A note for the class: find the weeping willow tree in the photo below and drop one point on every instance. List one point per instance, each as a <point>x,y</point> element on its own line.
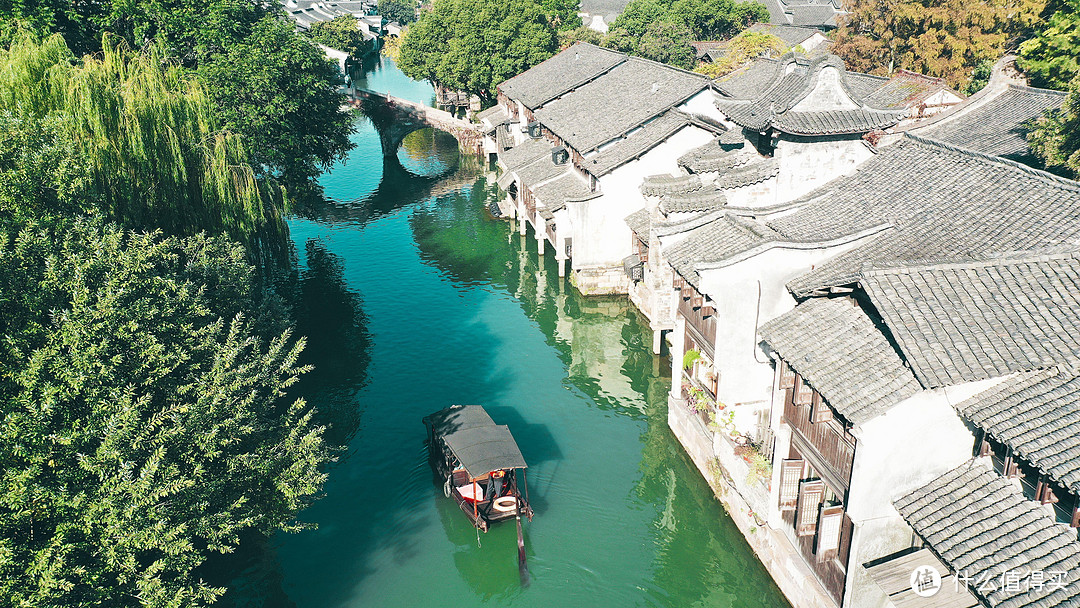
<point>159,157</point>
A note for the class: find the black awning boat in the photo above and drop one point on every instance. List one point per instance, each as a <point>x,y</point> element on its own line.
<point>479,464</point>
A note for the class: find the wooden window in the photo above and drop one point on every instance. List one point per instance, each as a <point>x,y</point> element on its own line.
<point>787,375</point>
<point>790,475</point>
<point>803,393</point>
<point>819,410</point>
<point>811,493</point>
<point>830,523</point>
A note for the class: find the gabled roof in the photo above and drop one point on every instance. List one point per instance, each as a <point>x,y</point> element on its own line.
<point>657,185</point>
<point>907,89</point>
<point>527,152</point>
<point>749,82</point>
<point>793,79</point>
<point>755,172</point>
<point>637,142</point>
<point>568,70</point>
<point>967,321</point>
<point>839,350</point>
<point>711,157</point>
<point>629,95</point>
<point>999,126</point>
<point>981,525</point>
<point>941,203</point>
<point>714,240</point>
<point>1038,416</point>
<point>706,199</point>
<point>493,116</point>
<point>640,222</point>
<point>555,194</point>
<point>817,15</point>
<point>791,35</point>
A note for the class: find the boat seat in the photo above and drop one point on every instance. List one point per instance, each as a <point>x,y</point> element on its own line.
<point>471,492</point>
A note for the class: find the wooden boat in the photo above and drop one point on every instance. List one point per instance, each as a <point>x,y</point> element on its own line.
<point>479,464</point>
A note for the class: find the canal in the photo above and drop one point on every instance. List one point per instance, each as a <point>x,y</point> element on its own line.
<point>414,298</point>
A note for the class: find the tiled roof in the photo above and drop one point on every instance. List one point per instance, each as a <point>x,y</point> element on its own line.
<point>981,526</point>
<point>818,15</point>
<point>495,115</point>
<point>969,321</point>
<point>563,72</point>
<point>539,172</point>
<point>716,240</point>
<point>997,127</point>
<point>749,82</point>
<point>793,78</point>
<point>942,203</point>
<point>791,35</point>
<point>555,194</point>
<point>755,172</point>
<point>627,96</point>
<point>1038,417</point>
<point>657,185</point>
<point>636,143</point>
<point>640,222</point>
<point>840,352</point>
<point>705,199</point>
<point>711,157</point>
<point>527,152</point>
<point>906,89</point>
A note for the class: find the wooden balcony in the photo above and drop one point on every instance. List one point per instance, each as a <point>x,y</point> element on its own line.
<point>827,445</point>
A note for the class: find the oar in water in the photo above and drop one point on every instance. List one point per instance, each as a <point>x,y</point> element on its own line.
<point>523,568</point>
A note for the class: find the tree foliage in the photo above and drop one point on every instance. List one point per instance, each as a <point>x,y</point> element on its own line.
<point>402,11</point>
<point>151,138</point>
<point>1052,57</point>
<point>1055,138</point>
<point>945,38</point>
<point>473,45</point>
<point>143,423</point>
<point>662,30</point>
<point>342,33</point>
<point>741,50</point>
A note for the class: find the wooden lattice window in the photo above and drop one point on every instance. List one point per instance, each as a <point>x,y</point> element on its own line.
<point>811,494</point>
<point>803,393</point>
<point>790,475</point>
<point>787,375</point>
<point>830,524</point>
<point>819,410</point>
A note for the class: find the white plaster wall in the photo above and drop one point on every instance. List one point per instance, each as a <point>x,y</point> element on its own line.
<point>809,162</point>
<point>813,42</point>
<point>761,194</point>
<point>746,375</point>
<point>601,236</point>
<point>827,94</point>
<point>897,452</point>
<point>704,104</point>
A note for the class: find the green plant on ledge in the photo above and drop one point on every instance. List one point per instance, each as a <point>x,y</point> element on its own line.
<point>760,468</point>
<point>690,357</point>
<point>724,422</point>
<point>696,399</point>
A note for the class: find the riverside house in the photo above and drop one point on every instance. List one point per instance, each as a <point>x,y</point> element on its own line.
<point>575,136</point>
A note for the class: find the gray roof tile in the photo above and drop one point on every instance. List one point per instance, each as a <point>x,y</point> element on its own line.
<point>942,203</point>
<point>627,96</point>
<point>1038,416</point>
<point>981,525</point>
<point>716,240</point>
<point>572,68</point>
<point>658,185</point>
<point>838,349</point>
<point>525,153</point>
<point>637,143</point>
<point>906,89</point>
<point>705,199</point>
<point>966,321</point>
<point>555,194</point>
<point>791,35</point>
<point>640,222</point>
<point>997,127</point>
<point>754,172</point>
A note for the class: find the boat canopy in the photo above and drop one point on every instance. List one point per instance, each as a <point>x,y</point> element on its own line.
<point>480,445</point>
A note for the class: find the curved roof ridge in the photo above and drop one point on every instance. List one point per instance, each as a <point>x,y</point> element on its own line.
<point>1045,176</point>
<point>1008,258</point>
<point>1030,89</point>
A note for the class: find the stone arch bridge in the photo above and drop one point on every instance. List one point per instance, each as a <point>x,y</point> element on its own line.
<point>395,118</point>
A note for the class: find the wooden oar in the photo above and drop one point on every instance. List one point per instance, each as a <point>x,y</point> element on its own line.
<point>523,568</point>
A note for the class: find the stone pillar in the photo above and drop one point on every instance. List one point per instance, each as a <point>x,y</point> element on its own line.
<point>560,255</point>
<point>521,216</point>
<point>540,225</point>
<point>657,340</point>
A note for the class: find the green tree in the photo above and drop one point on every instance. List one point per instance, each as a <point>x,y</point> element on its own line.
<point>473,45</point>
<point>1055,138</point>
<point>668,41</point>
<point>718,19</point>
<point>402,11</point>
<point>342,33</point>
<point>562,14</point>
<point>157,155</point>
<point>1052,57</point>
<point>741,50</point>
<point>142,419</point>
<point>945,38</point>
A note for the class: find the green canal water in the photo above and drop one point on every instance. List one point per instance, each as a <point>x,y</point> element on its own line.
<point>413,299</point>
